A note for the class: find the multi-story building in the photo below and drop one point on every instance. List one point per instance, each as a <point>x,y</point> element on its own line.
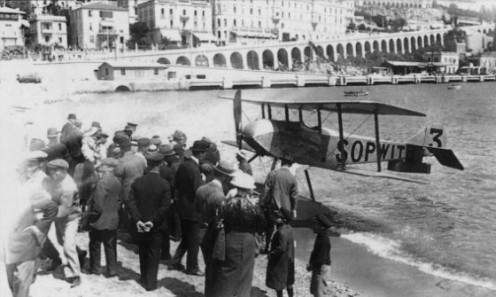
<point>450,60</point>
<point>282,20</point>
<point>49,30</point>
<point>183,22</point>
<point>488,61</point>
<point>397,3</point>
<point>38,6</point>
<point>132,6</point>
<point>99,26</point>
<point>10,28</point>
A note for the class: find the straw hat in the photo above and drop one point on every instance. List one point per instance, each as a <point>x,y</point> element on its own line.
<point>243,181</point>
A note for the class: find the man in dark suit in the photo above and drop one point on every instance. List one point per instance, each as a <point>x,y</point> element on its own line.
<point>280,191</point>
<point>29,232</point>
<point>148,201</point>
<point>67,128</point>
<point>104,218</point>
<point>188,180</point>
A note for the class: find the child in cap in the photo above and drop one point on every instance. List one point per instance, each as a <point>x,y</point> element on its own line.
<point>320,259</point>
<point>281,264</point>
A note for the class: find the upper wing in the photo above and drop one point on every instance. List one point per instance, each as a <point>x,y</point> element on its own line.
<point>348,106</point>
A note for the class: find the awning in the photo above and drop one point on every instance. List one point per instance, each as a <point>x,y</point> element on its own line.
<point>172,35</point>
<point>204,36</point>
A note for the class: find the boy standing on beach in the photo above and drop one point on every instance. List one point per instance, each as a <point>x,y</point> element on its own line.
<point>320,259</point>
<point>281,264</point>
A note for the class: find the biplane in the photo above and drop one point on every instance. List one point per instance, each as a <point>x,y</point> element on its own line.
<point>321,147</point>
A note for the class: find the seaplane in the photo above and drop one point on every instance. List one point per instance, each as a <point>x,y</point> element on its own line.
<point>318,146</point>
<point>321,147</point>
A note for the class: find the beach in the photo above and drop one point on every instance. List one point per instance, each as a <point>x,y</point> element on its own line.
<point>365,269</point>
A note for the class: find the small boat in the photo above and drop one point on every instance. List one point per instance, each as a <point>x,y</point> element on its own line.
<point>356,93</point>
<point>454,87</point>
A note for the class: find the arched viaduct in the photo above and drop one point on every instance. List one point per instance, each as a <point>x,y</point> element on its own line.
<point>274,55</point>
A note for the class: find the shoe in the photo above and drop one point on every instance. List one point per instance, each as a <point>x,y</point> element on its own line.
<point>82,258</point>
<point>179,267</point>
<point>75,281</point>
<point>195,272</point>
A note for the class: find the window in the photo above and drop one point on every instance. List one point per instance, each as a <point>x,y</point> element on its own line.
<point>155,71</point>
<point>106,14</point>
<point>106,71</point>
<point>251,10</point>
<point>184,11</point>
<point>201,76</point>
<point>162,11</point>
<point>92,39</point>
<point>171,24</point>
<point>171,74</point>
<point>90,13</point>
<point>60,27</point>
<point>91,27</point>
<point>234,22</point>
<point>218,22</point>
<point>259,24</point>
<point>60,39</point>
<point>234,9</point>
<point>225,22</point>
<point>188,76</point>
<point>123,71</point>
<point>47,38</point>
<point>171,12</point>
<point>195,13</point>
<point>203,13</point>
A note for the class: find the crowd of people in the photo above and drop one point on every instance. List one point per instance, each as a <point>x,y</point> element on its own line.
<point>155,191</point>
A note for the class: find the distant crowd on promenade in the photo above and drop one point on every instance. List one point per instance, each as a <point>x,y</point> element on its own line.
<point>154,191</point>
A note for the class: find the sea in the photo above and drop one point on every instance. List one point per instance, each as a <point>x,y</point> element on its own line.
<point>444,223</point>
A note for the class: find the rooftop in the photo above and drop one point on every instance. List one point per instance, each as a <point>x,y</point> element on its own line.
<point>10,10</point>
<point>102,6</point>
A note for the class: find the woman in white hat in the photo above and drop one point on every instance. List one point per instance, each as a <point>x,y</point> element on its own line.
<point>242,219</point>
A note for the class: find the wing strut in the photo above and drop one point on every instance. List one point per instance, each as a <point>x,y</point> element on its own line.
<point>341,133</point>
<point>377,141</point>
<point>309,182</point>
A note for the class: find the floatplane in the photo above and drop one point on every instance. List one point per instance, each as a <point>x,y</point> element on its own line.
<point>321,147</point>
<point>336,150</point>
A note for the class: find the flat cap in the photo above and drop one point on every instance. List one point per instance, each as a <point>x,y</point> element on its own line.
<point>154,157</point>
<point>143,142</point>
<point>58,163</point>
<point>71,116</point>
<point>200,146</point>
<point>96,124</point>
<point>132,124</point>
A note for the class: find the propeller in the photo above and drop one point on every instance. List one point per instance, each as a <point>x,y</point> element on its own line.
<point>237,110</point>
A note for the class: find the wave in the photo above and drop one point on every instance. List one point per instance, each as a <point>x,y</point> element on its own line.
<point>391,249</point>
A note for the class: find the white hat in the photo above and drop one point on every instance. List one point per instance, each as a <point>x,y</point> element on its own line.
<point>243,181</point>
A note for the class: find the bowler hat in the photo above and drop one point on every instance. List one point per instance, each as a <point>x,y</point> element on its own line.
<point>225,168</point>
<point>52,132</point>
<point>156,140</point>
<point>71,116</point>
<point>166,150</point>
<point>243,181</point>
<point>200,146</point>
<point>59,164</point>
<point>110,162</point>
<point>324,220</point>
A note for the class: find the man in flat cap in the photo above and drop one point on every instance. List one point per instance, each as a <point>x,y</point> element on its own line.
<point>179,137</point>
<point>188,180</point>
<point>208,200</point>
<point>52,136</point>
<point>64,193</point>
<point>35,213</point>
<point>143,144</point>
<point>148,201</point>
<point>129,129</point>
<point>104,218</point>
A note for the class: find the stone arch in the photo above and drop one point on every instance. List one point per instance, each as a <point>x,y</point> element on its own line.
<point>419,42</point>
<point>367,47</point>
<point>320,51</point>
<point>308,52</point>
<point>349,50</point>
<point>426,41</point>
<point>330,53</point>
<point>282,57</point>
<point>202,60</point>
<point>406,45</point>
<point>384,46</point>
<point>399,47</point>
<point>268,59</point>
<point>182,60</point>
<point>340,50</point>
<point>122,89</point>
<point>413,44</point>
<point>220,60</point>
<point>391,46</point>
<point>237,60</point>
<point>296,55</point>
<point>375,46</point>
<point>433,39</point>
<point>359,49</point>
<point>439,39</point>
<point>163,60</point>
<point>252,60</point>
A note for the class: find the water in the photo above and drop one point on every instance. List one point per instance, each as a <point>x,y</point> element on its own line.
<point>444,226</point>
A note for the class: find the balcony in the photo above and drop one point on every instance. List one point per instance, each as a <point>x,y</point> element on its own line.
<point>276,15</point>
<point>184,18</point>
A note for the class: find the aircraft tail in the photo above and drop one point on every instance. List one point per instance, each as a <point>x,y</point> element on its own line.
<point>434,136</point>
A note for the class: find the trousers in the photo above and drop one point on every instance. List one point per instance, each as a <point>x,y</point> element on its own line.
<point>20,277</point>
<point>150,245</point>
<point>66,231</point>
<point>109,240</point>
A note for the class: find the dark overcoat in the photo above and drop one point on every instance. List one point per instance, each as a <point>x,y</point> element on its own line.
<point>105,203</point>
<point>280,266</point>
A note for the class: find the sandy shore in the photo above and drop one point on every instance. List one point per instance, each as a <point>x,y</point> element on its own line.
<point>171,283</point>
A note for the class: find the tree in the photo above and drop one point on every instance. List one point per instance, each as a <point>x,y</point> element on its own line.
<point>138,32</point>
<point>351,26</point>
